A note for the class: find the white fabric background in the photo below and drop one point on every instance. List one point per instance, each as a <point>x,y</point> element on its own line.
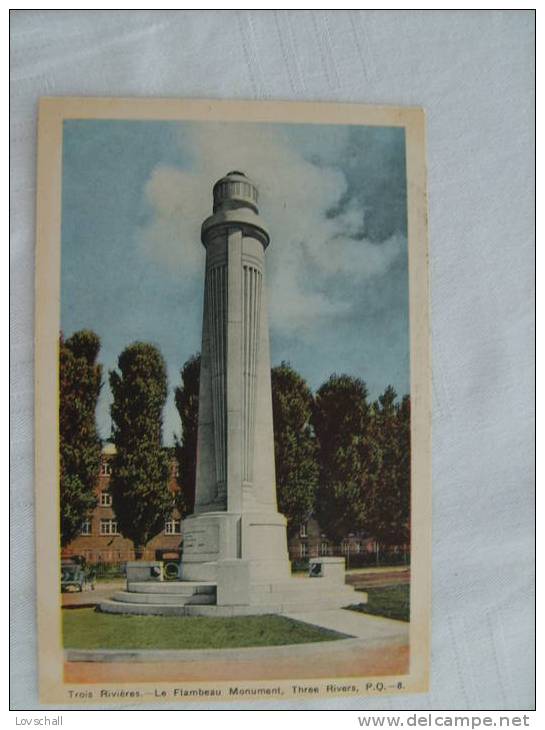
<point>473,73</point>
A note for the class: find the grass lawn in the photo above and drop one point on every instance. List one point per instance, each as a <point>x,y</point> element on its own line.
<point>388,601</point>
<point>85,628</point>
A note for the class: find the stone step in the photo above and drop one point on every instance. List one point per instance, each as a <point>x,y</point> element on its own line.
<point>301,584</point>
<point>173,599</point>
<point>294,591</point>
<point>142,609</point>
<point>183,588</point>
<point>291,604</point>
<point>310,588</point>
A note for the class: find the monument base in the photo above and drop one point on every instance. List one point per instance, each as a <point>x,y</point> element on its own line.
<point>213,539</point>
<point>234,593</point>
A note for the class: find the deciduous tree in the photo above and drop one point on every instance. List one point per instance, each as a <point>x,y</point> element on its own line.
<point>347,456</point>
<point>187,405</point>
<point>80,380</point>
<point>141,498</point>
<point>391,494</point>
<point>295,447</point>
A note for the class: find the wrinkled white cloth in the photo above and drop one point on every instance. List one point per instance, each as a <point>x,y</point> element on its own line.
<point>473,74</point>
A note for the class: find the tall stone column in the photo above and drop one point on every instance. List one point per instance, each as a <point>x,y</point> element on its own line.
<point>235,516</point>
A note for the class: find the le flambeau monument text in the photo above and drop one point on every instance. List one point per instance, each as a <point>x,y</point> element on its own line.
<point>235,558</point>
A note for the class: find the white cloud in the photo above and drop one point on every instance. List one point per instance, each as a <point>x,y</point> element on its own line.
<point>172,236</point>
<point>295,196</point>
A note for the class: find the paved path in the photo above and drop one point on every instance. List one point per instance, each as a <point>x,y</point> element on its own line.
<point>379,647</point>
<point>374,629</point>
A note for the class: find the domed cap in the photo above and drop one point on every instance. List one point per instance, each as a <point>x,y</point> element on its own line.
<point>235,190</point>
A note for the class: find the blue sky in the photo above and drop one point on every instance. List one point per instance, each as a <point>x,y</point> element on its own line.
<point>334,198</point>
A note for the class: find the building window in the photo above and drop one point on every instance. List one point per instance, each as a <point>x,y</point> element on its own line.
<point>105,469</point>
<point>108,527</point>
<point>303,530</point>
<point>304,550</point>
<point>173,527</point>
<point>85,527</point>
<point>105,499</point>
<point>324,548</point>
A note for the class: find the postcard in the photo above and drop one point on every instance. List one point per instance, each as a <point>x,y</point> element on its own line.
<point>233,401</point>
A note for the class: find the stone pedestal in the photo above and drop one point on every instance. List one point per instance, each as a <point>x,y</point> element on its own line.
<point>141,571</point>
<point>329,569</point>
<point>233,586</point>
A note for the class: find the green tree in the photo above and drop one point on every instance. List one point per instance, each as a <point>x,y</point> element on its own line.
<point>295,447</point>
<point>141,498</point>
<point>391,494</point>
<point>187,405</point>
<point>80,380</point>
<point>347,455</point>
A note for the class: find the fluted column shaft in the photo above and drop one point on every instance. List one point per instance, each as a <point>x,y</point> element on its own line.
<point>235,515</point>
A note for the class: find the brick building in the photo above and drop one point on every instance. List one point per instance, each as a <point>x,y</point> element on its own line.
<point>309,541</point>
<point>100,541</point>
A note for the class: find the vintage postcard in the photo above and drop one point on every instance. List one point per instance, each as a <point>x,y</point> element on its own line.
<point>233,401</point>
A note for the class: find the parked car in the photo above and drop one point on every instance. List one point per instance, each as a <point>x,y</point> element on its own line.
<point>76,577</point>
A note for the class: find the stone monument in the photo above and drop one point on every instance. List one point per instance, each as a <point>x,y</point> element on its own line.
<point>235,558</point>
<point>236,515</point>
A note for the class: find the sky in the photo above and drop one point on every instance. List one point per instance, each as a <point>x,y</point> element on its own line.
<point>134,195</point>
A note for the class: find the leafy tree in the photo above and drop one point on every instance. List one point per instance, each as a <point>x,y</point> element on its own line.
<point>391,495</point>
<point>80,380</point>
<point>295,447</point>
<point>140,470</point>
<point>347,455</point>
<point>187,404</point>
